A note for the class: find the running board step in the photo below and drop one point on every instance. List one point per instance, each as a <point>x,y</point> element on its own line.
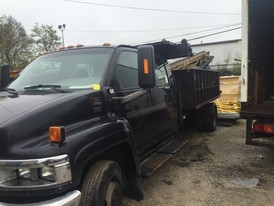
<point>173,146</point>
<point>150,166</point>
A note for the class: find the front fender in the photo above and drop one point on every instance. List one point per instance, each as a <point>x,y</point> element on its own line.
<point>88,140</point>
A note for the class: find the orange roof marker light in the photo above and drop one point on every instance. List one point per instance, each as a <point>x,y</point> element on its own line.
<point>79,45</point>
<point>106,44</point>
<point>70,46</point>
<point>57,134</point>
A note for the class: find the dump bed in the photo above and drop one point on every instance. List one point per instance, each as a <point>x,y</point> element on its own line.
<point>197,84</point>
<point>197,87</point>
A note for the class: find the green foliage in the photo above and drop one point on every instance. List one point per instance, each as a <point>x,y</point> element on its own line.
<point>45,38</point>
<point>15,45</point>
<point>17,49</point>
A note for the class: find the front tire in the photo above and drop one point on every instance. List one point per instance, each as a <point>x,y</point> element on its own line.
<point>102,185</point>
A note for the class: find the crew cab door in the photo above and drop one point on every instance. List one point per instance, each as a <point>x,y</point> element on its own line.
<point>165,99</point>
<point>140,111</point>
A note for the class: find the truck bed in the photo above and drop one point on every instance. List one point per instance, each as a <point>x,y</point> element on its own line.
<point>197,87</point>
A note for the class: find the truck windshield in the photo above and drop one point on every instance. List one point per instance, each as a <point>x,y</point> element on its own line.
<point>70,69</point>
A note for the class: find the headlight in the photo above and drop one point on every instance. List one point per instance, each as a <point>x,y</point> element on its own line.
<point>35,172</point>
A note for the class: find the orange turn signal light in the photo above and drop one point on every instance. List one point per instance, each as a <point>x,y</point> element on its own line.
<point>262,127</point>
<point>57,134</point>
<point>145,66</point>
<point>269,128</point>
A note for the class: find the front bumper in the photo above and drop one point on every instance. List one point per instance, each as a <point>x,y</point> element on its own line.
<point>69,199</point>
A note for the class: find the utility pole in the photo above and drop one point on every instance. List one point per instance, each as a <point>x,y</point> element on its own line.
<point>62,27</point>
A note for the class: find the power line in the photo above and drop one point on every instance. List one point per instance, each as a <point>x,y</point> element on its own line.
<point>214,34</point>
<point>187,34</point>
<point>150,9</point>
<point>149,30</point>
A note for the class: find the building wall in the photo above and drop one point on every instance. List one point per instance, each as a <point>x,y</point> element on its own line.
<point>224,52</point>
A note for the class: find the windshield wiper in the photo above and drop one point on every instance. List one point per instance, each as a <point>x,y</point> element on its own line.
<point>11,91</point>
<point>47,86</point>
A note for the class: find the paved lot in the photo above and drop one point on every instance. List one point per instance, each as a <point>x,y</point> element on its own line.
<point>213,169</point>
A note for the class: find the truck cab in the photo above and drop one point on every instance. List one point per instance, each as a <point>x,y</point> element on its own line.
<point>77,125</point>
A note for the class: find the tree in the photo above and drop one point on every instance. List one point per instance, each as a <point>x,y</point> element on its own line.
<point>228,65</point>
<point>15,44</point>
<point>45,37</point>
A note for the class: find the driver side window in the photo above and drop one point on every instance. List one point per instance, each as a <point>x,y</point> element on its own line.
<point>126,71</point>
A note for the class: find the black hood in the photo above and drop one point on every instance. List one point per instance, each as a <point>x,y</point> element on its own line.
<point>13,106</point>
<point>25,119</point>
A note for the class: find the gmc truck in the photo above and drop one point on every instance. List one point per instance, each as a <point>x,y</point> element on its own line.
<point>257,91</point>
<point>83,125</point>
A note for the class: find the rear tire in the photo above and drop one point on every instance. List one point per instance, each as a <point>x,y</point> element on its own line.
<point>102,185</point>
<point>206,118</point>
<point>211,118</point>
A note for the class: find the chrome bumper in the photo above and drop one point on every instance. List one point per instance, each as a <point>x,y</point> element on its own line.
<point>69,199</point>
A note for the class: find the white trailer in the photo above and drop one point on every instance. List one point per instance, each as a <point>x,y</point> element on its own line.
<point>257,71</point>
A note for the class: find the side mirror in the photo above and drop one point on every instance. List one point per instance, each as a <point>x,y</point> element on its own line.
<point>4,76</point>
<point>146,66</point>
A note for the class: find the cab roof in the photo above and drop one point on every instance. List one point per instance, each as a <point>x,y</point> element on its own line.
<point>164,48</point>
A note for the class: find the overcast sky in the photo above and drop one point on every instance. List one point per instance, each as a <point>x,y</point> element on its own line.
<point>93,22</point>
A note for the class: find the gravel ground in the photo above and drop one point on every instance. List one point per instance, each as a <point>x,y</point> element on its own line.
<point>213,169</point>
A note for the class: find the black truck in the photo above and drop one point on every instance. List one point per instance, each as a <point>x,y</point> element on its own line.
<point>83,125</point>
